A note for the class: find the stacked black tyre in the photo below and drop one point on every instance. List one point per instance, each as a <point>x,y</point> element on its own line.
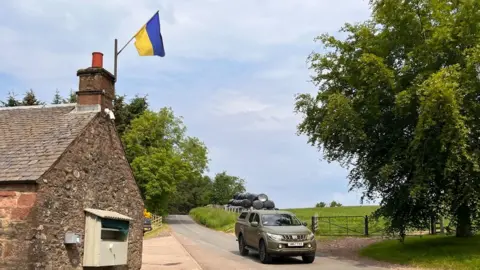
<point>256,201</point>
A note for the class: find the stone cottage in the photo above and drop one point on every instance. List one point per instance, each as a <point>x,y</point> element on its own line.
<point>60,165</point>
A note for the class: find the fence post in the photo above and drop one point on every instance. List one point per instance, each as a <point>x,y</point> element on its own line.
<point>314,224</point>
<point>329,225</point>
<point>366,225</point>
<point>347,225</point>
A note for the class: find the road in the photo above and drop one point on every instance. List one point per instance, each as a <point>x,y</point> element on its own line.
<point>217,250</point>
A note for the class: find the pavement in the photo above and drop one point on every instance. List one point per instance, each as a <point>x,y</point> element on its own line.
<point>166,253</point>
<point>216,250</point>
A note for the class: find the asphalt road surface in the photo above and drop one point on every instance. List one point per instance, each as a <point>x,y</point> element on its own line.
<point>217,250</point>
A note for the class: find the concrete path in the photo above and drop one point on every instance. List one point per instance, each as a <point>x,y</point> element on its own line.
<point>166,253</point>
<point>217,251</point>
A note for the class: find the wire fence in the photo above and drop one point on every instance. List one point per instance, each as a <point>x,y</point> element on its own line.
<point>362,226</point>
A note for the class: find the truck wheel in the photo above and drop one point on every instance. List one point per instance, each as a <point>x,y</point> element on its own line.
<point>308,258</point>
<point>265,258</point>
<point>241,246</point>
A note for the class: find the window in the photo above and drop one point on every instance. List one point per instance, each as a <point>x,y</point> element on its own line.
<point>243,215</point>
<point>250,218</point>
<point>256,218</point>
<point>280,220</point>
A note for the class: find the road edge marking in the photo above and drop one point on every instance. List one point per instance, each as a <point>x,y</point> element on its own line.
<point>184,249</point>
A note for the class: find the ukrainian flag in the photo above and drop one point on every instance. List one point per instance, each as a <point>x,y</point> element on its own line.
<point>149,40</point>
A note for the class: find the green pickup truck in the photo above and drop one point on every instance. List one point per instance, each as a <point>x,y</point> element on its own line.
<point>274,233</point>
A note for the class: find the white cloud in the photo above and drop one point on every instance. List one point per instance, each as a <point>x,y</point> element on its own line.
<point>229,102</point>
<point>259,115</point>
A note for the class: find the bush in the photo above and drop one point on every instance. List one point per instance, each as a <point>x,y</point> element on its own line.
<point>320,205</point>
<point>214,218</point>
<point>335,204</point>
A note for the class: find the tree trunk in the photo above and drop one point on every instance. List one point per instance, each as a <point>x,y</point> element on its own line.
<point>464,221</point>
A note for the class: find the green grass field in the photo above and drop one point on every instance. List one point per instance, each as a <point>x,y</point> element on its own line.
<point>435,252</point>
<point>340,221</point>
<point>307,213</point>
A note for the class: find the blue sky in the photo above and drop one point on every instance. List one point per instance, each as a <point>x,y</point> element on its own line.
<point>231,70</point>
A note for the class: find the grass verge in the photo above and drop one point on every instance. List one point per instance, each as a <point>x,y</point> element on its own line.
<point>217,219</point>
<point>435,252</point>
<point>160,231</point>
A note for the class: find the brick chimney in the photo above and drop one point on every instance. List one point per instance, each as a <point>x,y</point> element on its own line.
<point>96,84</point>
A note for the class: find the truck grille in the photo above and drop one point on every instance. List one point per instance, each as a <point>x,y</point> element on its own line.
<point>293,237</point>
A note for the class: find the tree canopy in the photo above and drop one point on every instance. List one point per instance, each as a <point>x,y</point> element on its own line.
<point>125,112</point>
<point>224,186</point>
<point>335,204</point>
<point>29,99</point>
<point>320,205</point>
<point>398,101</point>
<point>161,156</point>
<point>11,101</point>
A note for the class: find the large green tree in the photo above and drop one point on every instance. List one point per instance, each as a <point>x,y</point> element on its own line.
<point>162,156</point>
<point>399,101</point>
<point>224,186</point>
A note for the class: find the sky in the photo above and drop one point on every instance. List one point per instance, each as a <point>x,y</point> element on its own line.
<point>231,70</point>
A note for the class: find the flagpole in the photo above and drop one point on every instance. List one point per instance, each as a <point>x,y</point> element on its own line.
<point>126,44</point>
<point>115,61</point>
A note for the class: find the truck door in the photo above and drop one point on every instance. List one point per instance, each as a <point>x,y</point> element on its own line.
<point>256,232</point>
<point>250,231</point>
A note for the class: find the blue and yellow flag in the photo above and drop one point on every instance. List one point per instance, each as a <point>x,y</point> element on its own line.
<point>149,40</point>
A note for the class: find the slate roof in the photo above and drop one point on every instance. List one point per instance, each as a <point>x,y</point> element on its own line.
<point>32,138</point>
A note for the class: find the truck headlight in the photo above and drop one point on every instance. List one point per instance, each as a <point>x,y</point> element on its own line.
<point>275,237</point>
<point>311,236</point>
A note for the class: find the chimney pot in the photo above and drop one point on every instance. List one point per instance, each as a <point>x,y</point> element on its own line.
<point>97,60</point>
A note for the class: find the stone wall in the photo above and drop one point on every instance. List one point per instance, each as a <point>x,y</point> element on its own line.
<point>16,223</point>
<point>92,173</point>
